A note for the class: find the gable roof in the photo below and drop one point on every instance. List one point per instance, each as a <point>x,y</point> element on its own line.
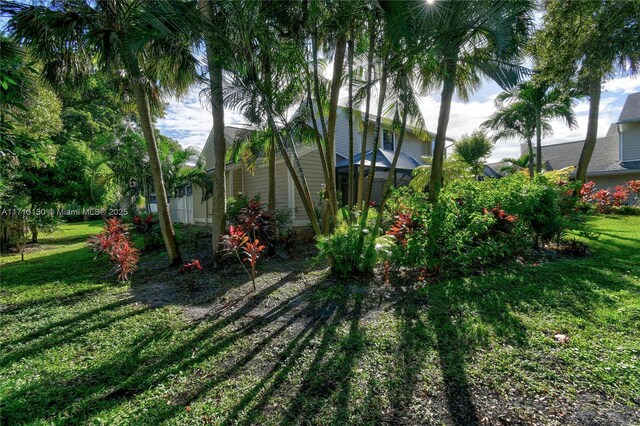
<point>631,110</point>
<point>383,160</point>
<point>605,159</point>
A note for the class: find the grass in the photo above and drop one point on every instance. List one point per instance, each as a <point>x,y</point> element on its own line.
<point>305,348</point>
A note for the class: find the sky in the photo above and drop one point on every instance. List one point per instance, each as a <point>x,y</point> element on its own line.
<point>189,122</point>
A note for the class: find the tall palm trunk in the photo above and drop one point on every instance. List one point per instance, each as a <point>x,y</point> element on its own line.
<point>219,198</point>
<point>595,91</point>
<point>538,143</point>
<point>164,217</point>
<point>448,88</point>
<point>330,143</point>
<point>350,47</point>
<point>271,204</point>
<point>392,169</point>
<point>531,166</point>
<point>376,136</point>
<point>301,186</point>
<point>365,130</point>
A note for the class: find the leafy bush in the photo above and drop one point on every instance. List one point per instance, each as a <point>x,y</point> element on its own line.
<point>352,248</point>
<point>479,223</point>
<point>114,241</point>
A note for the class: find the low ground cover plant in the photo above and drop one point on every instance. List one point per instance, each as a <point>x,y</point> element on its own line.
<point>114,241</point>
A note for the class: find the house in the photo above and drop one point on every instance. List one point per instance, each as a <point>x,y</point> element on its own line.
<point>239,180</point>
<point>616,157</point>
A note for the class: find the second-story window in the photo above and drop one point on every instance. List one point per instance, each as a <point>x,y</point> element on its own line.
<point>387,140</point>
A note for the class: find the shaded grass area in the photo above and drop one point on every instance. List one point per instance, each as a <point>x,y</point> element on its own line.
<point>306,348</point>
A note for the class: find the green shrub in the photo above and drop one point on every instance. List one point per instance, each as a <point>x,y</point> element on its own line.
<point>353,249</point>
<point>479,223</point>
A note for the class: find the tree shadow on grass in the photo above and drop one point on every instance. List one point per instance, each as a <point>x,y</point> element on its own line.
<point>304,345</point>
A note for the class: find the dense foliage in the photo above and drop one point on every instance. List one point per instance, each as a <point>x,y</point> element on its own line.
<point>475,224</point>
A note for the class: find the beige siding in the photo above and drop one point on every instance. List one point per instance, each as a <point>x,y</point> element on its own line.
<point>315,178</point>
<point>198,205</point>
<point>608,182</point>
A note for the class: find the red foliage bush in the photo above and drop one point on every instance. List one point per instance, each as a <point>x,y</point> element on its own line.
<point>401,228</point>
<point>634,186</point>
<point>602,199</point>
<point>587,190</point>
<point>113,241</point>
<point>189,267</point>
<point>620,195</point>
<point>237,243</point>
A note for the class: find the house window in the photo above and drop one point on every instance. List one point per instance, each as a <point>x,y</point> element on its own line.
<point>387,139</point>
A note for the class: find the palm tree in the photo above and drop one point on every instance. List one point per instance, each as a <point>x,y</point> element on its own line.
<point>510,122</point>
<point>604,43</point>
<point>142,40</point>
<point>514,165</point>
<point>453,168</point>
<point>215,38</point>
<point>265,83</point>
<point>473,150</point>
<point>471,38</point>
<point>538,103</point>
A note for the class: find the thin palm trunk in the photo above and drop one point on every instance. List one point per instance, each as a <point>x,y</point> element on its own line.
<point>336,83</point>
<point>164,217</point>
<point>376,136</point>
<point>301,186</point>
<point>365,130</point>
<point>538,143</point>
<point>392,169</point>
<point>592,130</point>
<point>350,112</point>
<point>219,199</point>
<point>531,166</point>
<point>271,204</point>
<point>448,89</point>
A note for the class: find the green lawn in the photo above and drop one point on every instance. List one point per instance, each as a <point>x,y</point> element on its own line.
<point>307,349</point>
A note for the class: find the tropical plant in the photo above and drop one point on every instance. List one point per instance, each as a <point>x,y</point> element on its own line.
<point>474,149</point>
<point>604,42</point>
<point>353,249</point>
<point>144,44</point>
<point>514,165</point>
<point>473,39</point>
<point>527,110</point>
<point>114,242</point>
<point>453,169</point>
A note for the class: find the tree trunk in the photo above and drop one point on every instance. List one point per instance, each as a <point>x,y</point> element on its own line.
<point>164,217</point>
<point>448,88</point>
<point>531,166</point>
<point>538,144</point>
<point>392,169</point>
<point>350,47</point>
<point>219,198</point>
<point>376,135</point>
<point>271,205</point>
<point>595,90</point>
<point>336,83</point>
<point>365,130</point>
<point>302,190</point>
<point>34,232</point>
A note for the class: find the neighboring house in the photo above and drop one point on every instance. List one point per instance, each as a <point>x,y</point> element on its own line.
<point>239,180</point>
<point>616,157</point>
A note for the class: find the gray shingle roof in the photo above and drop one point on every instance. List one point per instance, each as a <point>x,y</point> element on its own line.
<point>383,160</point>
<point>605,157</point>
<point>631,109</point>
